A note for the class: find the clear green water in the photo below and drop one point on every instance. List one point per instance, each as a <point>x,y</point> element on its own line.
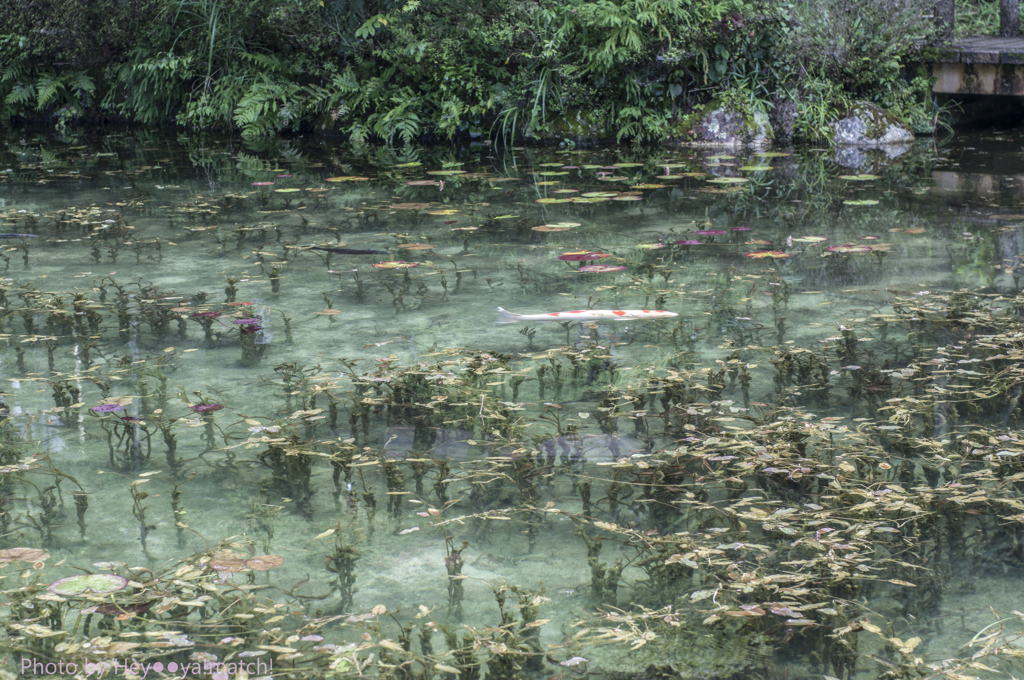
<point>149,225</point>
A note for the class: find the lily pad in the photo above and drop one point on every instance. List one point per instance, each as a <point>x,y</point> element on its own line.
<point>728,180</point>
<point>446,173</point>
<point>849,249</point>
<point>88,584</point>
<point>23,555</point>
<point>859,178</point>
<point>763,254</point>
<point>600,268</point>
<point>264,562</point>
<point>863,201</point>
<point>395,265</point>
<point>347,178</point>
<point>409,206</point>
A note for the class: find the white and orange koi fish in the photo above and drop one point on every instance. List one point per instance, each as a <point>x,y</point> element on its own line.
<point>587,315</point>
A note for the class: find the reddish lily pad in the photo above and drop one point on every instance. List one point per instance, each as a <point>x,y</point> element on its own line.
<point>23,555</point>
<point>264,562</point>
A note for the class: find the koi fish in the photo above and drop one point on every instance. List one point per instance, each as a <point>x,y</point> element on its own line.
<point>587,315</point>
<point>351,251</point>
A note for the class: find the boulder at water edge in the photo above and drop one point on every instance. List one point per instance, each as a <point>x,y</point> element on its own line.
<point>726,127</point>
<point>868,125</point>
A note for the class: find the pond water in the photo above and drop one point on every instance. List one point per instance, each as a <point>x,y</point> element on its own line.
<point>343,462</point>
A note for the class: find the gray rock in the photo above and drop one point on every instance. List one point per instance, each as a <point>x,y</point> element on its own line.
<point>867,125</point>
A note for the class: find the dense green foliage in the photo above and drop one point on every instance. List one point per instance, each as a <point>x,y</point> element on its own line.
<point>404,70</point>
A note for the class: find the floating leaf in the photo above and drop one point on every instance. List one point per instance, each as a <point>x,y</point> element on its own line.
<point>409,206</point>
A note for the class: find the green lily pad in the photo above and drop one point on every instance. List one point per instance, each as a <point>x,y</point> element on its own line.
<point>413,164</point>
<point>446,173</point>
<point>859,178</point>
<point>728,180</point>
<point>756,168</point>
<point>286,191</point>
<point>88,584</point>
<point>552,200</point>
<point>863,201</point>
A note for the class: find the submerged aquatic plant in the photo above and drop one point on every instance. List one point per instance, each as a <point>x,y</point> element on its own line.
<point>206,410</point>
<point>252,351</point>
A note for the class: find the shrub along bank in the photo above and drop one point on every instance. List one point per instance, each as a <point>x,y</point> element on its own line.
<point>401,71</point>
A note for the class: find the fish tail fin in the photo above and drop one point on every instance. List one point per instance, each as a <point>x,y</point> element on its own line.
<point>507,317</point>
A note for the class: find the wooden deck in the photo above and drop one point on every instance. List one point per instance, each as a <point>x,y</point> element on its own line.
<point>981,65</point>
<point>984,50</point>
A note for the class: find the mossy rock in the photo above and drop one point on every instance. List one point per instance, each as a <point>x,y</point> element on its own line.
<point>581,126</point>
<point>864,124</point>
<point>721,126</point>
